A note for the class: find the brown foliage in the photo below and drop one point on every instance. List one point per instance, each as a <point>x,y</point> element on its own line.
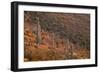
<point>50,45</point>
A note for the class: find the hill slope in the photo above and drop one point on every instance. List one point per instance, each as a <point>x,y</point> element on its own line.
<point>57,35</point>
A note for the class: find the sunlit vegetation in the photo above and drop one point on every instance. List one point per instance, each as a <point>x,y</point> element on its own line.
<point>56,36</point>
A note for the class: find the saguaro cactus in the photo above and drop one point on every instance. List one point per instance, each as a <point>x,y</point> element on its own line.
<point>38,31</point>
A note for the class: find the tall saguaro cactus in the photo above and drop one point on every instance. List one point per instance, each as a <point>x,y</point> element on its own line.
<point>38,31</point>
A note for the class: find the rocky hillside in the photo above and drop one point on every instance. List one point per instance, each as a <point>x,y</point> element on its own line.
<point>56,36</point>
